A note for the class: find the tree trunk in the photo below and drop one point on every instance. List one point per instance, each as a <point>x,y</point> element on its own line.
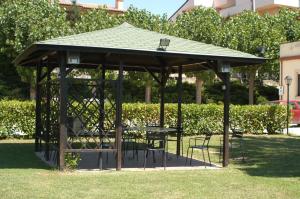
<point>199,83</point>
<point>252,74</point>
<point>148,92</point>
<point>32,92</point>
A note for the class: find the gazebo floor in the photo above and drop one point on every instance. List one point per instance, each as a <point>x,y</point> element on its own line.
<point>90,162</point>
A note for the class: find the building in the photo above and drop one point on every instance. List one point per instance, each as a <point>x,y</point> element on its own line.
<point>118,8</point>
<point>228,8</point>
<point>289,66</point>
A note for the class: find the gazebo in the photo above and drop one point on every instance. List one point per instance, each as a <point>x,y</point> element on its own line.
<point>60,94</point>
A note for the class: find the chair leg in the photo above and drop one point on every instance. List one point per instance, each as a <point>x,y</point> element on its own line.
<point>191,156</point>
<point>145,158</point>
<point>100,163</point>
<point>203,158</point>
<point>187,156</point>
<point>153,154</point>
<point>167,146</point>
<point>137,150</point>
<point>242,149</point>
<point>165,159</point>
<point>182,147</point>
<point>220,151</point>
<point>107,157</point>
<point>208,154</point>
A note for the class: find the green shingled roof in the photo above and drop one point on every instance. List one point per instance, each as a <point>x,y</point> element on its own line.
<point>138,48</point>
<point>129,37</point>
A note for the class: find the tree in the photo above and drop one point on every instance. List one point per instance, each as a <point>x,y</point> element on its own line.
<point>203,25</point>
<point>25,22</point>
<point>74,13</point>
<point>96,19</point>
<point>288,21</point>
<point>248,32</point>
<point>146,20</point>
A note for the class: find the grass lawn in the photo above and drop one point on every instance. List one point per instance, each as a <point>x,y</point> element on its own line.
<point>271,170</point>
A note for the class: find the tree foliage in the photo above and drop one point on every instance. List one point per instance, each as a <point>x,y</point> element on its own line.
<point>200,24</point>
<point>25,22</point>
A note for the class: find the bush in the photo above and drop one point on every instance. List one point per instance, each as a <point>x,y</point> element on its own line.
<point>17,116</point>
<point>20,116</point>
<point>198,118</point>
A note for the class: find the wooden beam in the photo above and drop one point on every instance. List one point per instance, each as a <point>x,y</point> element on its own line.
<point>226,119</point>
<point>46,73</point>
<point>179,113</point>
<point>48,112</point>
<point>62,111</point>
<point>153,75</point>
<point>38,108</point>
<point>119,128</point>
<point>162,97</point>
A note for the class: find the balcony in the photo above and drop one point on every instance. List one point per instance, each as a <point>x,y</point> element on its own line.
<point>268,3</point>
<point>221,4</point>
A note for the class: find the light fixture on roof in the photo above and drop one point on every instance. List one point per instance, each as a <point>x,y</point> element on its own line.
<point>163,44</point>
<point>73,58</point>
<point>223,67</point>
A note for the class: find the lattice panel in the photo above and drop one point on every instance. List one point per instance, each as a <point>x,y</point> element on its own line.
<point>54,112</point>
<point>43,110</point>
<point>89,125</point>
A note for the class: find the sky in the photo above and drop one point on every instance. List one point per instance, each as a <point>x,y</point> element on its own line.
<point>154,6</point>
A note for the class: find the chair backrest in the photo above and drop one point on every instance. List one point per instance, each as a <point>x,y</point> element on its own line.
<point>175,133</point>
<point>237,133</point>
<point>156,138</point>
<point>207,139</point>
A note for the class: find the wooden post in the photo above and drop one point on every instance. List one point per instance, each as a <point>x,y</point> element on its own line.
<point>62,111</point>
<point>48,109</point>
<point>226,119</point>
<point>38,108</point>
<point>102,112</point>
<point>102,98</point>
<point>162,97</point>
<point>179,113</point>
<point>119,128</point>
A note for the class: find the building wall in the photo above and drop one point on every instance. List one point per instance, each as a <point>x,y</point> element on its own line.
<point>228,8</point>
<point>262,6</point>
<point>190,4</point>
<point>117,9</point>
<point>290,65</point>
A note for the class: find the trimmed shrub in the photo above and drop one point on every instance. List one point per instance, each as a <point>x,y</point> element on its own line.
<point>16,116</point>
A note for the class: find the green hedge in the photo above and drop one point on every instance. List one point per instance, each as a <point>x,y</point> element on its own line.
<point>16,116</point>
<point>19,116</point>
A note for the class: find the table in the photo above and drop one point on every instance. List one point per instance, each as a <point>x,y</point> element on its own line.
<point>151,129</point>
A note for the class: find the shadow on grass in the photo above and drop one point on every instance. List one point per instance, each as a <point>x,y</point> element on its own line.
<point>272,156</point>
<point>19,155</point>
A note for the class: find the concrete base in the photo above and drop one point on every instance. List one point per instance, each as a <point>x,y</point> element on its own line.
<point>134,162</point>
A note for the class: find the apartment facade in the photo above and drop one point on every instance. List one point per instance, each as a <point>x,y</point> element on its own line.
<point>290,66</point>
<point>228,8</point>
<point>118,8</point>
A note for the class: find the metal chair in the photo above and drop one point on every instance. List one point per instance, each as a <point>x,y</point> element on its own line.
<point>105,143</point>
<point>203,146</point>
<point>129,140</point>
<point>155,142</point>
<point>172,137</point>
<point>237,134</point>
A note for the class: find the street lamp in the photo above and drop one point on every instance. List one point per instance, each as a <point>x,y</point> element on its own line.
<point>288,80</point>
